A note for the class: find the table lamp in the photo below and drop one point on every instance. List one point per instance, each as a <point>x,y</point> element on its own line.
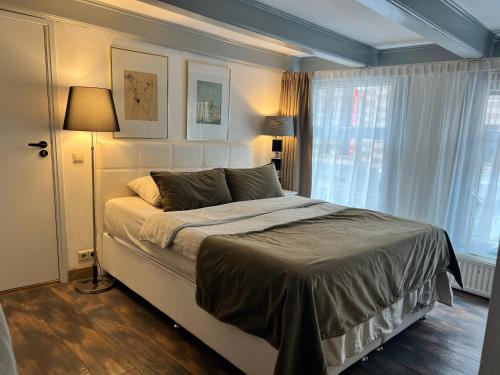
<point>278,126</point>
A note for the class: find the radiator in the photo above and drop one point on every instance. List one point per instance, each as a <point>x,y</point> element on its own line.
<point>477,275</point>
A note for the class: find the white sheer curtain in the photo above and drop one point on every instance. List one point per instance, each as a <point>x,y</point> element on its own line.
<point>485,229</point>
<point>410,140</point>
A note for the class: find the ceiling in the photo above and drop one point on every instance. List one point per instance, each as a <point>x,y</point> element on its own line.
<point>361,30</point>
<point>159,11</point>
<point>352,19</point>
<point>485,11</point>
<point>346,17</point>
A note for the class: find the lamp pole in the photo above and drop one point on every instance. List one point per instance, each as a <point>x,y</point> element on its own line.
<point>95,271</point>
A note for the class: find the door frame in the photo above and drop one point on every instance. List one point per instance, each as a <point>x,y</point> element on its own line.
<point>54,128</point>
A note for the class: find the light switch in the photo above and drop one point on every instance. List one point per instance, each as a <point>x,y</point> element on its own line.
<point>78,157</point>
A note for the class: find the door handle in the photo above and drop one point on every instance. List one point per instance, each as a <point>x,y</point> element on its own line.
<point>41,144</point>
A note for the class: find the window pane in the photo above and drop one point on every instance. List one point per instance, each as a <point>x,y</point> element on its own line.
<point>486,214</point>
<point>349,128</point>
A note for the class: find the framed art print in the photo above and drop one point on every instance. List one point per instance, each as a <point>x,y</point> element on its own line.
<point>208,101</point>
<point>140,92</point>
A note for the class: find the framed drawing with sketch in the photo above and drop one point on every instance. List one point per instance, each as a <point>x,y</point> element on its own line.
<point>140,92</point>
<point>208,101</point>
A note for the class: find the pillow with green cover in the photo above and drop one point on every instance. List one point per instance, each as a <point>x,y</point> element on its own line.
<point>190,190</point>
<point>253,183</point>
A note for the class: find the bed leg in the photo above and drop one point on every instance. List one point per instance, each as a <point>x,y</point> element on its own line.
<point>364,359</point>
<point>380,349</point>
<point>423,317</point>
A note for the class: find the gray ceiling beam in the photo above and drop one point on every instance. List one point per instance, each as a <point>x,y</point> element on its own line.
<point>439,21</point>
<point>394,56</point>
<point>259,19</point>
<point>414,55</point>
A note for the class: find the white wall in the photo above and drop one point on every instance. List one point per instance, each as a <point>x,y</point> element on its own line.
<point>83,58</point>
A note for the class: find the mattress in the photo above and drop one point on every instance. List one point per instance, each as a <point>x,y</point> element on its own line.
<point>124,218</point>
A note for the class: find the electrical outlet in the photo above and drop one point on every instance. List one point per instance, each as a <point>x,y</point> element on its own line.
<point>84,255</point>
<point>78,157</point>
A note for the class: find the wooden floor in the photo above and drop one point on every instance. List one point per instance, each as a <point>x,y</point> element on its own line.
<point>57,331</point>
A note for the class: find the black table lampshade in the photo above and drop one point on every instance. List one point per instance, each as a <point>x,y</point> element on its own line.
<point>279,126</point>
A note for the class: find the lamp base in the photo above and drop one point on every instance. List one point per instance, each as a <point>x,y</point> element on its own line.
<point>86,286</point>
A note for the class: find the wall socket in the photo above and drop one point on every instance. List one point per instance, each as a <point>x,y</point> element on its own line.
<point>84,255</point>
<point>78,157</point>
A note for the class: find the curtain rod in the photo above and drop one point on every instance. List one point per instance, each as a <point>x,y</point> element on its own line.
<point>494,64</point>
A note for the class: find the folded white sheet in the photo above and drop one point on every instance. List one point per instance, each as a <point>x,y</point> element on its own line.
<point>183,231</point>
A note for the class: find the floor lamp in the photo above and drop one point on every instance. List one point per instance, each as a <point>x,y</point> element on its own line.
<point>91,109</point>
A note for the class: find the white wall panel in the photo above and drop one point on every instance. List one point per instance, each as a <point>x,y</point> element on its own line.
<point>119,155</point>
<point>187,155</point>
<point>215,155</point>
<point>156,155</point>
<point>240,157</point>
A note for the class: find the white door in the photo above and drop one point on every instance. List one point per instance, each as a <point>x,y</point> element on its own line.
<point>28,242</point>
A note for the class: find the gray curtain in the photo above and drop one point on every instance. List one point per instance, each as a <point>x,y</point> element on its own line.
<point>296,169</point>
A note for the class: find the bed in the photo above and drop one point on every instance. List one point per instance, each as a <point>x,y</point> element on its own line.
<point>167,277</point>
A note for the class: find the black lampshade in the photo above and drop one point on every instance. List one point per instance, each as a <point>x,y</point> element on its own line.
<point>90,109</point>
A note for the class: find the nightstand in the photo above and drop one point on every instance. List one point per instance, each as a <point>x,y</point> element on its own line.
<point>289,192</point>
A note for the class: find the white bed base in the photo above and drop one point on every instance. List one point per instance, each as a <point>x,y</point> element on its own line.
<point>174,295</point>
<point>118,162</point>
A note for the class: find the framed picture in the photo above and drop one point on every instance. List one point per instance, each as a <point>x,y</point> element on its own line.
<point>208,101</point>
<point>140,92</point>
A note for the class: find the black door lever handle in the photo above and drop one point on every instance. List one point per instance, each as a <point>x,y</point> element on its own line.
<point>41,144</point>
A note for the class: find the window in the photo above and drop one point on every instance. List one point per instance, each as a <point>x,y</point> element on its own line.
<point>486,214</point>
<point>422,143</point>
<point>349,131</point>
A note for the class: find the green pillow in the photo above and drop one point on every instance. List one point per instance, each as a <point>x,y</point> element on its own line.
<point>189,190</point>
<point>253,183</point>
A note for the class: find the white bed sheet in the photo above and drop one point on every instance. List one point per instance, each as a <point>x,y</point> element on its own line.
<point>124,218</point>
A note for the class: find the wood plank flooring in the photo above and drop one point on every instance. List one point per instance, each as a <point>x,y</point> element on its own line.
<point>58,331</point>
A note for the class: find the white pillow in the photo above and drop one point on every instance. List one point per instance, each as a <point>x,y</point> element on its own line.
<point>146,188</point>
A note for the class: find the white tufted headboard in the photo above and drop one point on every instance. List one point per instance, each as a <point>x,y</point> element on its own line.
<point>118,162</point>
